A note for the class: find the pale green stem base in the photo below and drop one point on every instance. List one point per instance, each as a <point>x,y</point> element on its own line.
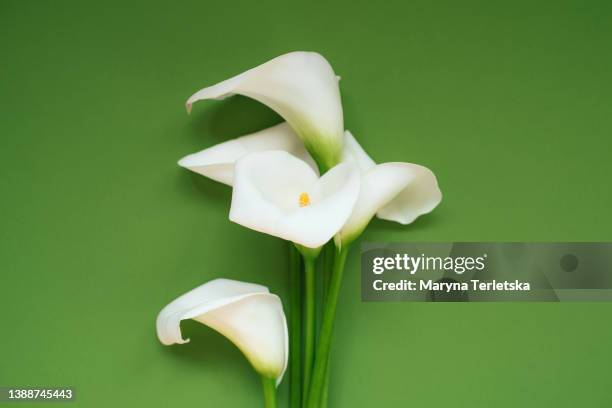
<point>269,391</point>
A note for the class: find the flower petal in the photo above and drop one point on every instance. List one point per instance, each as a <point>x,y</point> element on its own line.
<point>247,314</point>
<point>353,152</point>
<point>205,297</point>
<point>217,162</point>
<point>303,89</point>
<point>379,185</point>
<point>419,197</point>
<point>267,197</point>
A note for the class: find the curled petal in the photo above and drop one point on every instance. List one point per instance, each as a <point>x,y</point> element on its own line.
<point>303,89</point>
<point>379,185</point>
<point>279,194</point>
<point>419,196</point>
<point>247,314</point>
<point>217,162</point>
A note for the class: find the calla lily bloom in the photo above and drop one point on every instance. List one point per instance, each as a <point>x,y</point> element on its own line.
<point>278,194</point>
<point>398,192</point>
<point>301,87</point>
<point>247,314</point>
<point>217,162</point>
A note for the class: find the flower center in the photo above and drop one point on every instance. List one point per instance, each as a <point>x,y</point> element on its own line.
<point>304,200</point>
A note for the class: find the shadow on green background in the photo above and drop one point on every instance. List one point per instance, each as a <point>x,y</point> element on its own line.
<point>508,102</point>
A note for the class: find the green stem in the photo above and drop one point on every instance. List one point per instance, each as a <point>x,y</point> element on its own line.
<point>309,321</point>
<point>269,391</point>
<point>328,261</point>
<point>325,337</point>
<point>295,323</point>
<point>325,392</point>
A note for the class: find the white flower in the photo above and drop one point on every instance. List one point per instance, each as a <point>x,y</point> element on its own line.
<point>246,313</point>
<point>217,162</point>
<point>279,194</point>
<point>398,192</point>
<point>303,89</point>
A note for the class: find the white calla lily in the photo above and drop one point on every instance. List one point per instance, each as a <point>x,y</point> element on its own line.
<point>247,314</point>
<point>398,192</point>
<point>217,162</point>
<point>278,194</point>
<point>303,88</point>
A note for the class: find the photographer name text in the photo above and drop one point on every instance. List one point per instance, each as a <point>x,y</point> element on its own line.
<point>431,285</point>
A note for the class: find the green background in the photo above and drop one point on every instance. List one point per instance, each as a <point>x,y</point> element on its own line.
<point>508,102</point>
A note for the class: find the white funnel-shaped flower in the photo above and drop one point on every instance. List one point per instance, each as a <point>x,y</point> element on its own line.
<point>247,314</point>
<point>279,194</point>
<point>217,162</point>
<point>396,191</point>
<point>303,88</point>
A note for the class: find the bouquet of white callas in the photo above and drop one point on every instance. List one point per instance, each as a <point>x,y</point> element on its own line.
<point>307,181</point>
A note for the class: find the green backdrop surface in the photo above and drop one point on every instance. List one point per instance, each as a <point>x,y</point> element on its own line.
<point>508,102</point>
